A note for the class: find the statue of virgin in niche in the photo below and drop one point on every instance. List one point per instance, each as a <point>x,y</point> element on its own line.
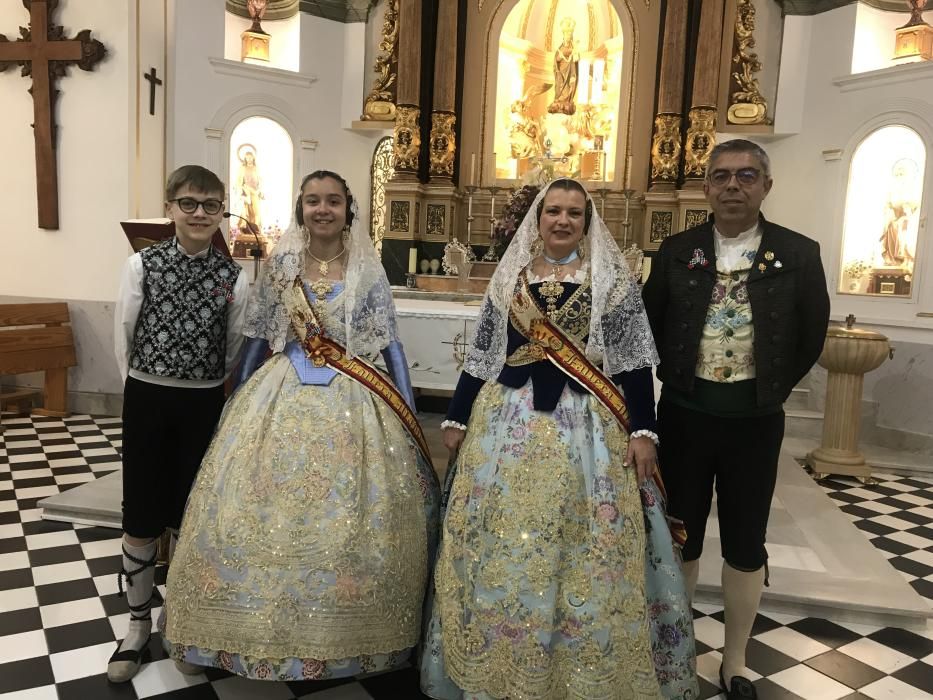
<point>902,209</point>
<point>566,60</point>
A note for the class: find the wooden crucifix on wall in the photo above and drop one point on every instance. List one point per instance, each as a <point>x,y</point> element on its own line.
<point>44,53</point>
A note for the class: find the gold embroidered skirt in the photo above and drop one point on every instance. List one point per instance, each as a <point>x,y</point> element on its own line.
<point>556,576</point>
<point>304,548</point>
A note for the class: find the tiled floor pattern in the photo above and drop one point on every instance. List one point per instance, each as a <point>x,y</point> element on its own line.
<point>60,615</point>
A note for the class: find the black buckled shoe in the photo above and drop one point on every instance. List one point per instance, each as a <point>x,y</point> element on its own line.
<point>740,689</point>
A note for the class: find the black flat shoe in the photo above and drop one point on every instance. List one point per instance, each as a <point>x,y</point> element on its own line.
<point>740,689</point>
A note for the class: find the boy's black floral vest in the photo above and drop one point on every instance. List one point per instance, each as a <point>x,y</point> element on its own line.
<point>181,331</point>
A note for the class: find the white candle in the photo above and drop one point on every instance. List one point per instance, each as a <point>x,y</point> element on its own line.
<point>412,260</point>
<point>628,172</point>
<point>494,168</point>
<point>473,169</point>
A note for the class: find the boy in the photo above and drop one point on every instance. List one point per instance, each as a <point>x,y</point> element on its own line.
<point>178,322</point>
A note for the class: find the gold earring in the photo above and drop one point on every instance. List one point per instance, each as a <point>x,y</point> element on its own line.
<point>537,248</point>
<point>581,248</point>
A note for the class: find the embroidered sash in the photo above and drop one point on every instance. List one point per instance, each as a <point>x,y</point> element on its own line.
<point>563,353</point>
<point>322,350</point>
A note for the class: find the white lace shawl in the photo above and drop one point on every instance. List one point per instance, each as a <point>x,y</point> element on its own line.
<point>369,309</point>
<point>620,337</point>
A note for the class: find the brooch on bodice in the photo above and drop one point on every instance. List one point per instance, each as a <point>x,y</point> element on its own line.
<point>551,291</point>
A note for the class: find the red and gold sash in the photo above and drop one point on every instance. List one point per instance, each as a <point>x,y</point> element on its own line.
<point>563,353</point>
<point>322,351</point>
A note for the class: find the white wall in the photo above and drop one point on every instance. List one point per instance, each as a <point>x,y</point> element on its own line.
<point>319,112</point>
<point>285,44</point>
<point>874,37</point>
<point>82,259</point>
<point>810,182</point>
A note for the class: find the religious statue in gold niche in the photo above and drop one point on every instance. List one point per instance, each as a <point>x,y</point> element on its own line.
<point>566,60</point>
<point>899,238</point>
<point>248,184</point>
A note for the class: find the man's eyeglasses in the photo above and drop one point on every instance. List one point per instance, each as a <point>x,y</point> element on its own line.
<point>744,176</point>
<point>189,205</point>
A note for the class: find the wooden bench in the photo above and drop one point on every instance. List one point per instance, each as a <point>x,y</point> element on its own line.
<point>34,338</point>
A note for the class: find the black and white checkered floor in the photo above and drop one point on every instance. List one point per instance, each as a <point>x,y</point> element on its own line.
<point>60,616</point>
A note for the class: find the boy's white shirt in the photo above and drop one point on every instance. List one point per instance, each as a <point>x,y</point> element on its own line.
<point>130,301</point>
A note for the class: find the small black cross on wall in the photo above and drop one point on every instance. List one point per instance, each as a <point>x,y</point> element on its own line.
<point>153,81</point>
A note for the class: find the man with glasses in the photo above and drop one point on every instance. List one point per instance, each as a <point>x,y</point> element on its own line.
<point>177,333</point>
<point>739,310</point>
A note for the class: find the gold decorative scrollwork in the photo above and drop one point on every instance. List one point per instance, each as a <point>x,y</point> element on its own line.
<point>665,148</point>
<point>398,216</point>
<point>443,143</point>
<point>695,217</point>
<point>746,103</point>
<point>662,225</point>
<point>701,137</point>
<point>437,220</point>
<point>407,138</point>
<point>380,173</point>
<point>380,103</point>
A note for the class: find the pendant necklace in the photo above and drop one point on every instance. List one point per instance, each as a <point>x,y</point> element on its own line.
<point>552,290</point>
<point>324,265</point>
<point>324,286</point>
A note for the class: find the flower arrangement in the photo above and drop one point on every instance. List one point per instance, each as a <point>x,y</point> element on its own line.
<point>512,217</point>
<point>856,269</point>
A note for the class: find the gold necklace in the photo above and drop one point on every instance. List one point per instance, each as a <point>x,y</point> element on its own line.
<point>324,265</point>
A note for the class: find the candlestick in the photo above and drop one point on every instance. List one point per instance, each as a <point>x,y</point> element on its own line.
<point>627,222</point>
<point>491,253</point>
<point>470,190</point>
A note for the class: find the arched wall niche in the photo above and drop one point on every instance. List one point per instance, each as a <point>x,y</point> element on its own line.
<point>626,33</point>
<point>218,139</point>
<point>885,191</point>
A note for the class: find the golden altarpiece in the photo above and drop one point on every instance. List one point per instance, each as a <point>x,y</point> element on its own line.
<point>514,92</point>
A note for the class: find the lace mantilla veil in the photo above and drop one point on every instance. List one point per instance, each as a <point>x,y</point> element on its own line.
<point>368,305</point>
<point>620,337</point>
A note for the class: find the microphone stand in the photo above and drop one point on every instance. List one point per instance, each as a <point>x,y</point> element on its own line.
<point>255,252</point>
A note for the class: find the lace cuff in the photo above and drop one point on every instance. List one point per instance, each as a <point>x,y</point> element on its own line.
<point>646,433</point>
<point>453,424</point>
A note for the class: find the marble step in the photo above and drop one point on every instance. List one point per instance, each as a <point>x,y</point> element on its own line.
<point>799,399</point>
<point>97,502</point>
<point>803,423</point>
<point>821,564</point>
<point>881,459</point>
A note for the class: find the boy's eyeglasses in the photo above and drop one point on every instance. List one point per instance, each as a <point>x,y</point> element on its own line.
<point>189,205</point>
<point>744,176</point>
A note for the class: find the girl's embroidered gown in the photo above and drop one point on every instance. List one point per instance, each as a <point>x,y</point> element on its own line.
<point>305,548</point>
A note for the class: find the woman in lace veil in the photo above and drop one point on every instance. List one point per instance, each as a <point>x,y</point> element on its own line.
<point>557,574</point>
<point>306,540</point>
